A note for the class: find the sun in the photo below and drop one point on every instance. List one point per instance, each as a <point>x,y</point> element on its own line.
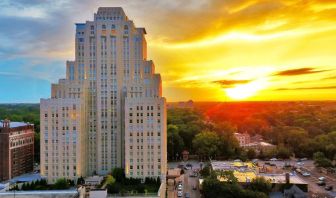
<point>241,92</point>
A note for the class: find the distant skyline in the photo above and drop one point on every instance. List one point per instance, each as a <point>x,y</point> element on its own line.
<point>205,50</point>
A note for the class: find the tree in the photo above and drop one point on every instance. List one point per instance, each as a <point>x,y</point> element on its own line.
<point>213,188</point>
<point>321,160</point>
<point>80,181</point>
<point>283,152</point>
<point>175,143</point>
<point>113,188</point>
<point>228,176</point>
<point>61,184</point>
<point>251,154</point>
<point>118,174</point>
<point>206,144</point>
<point>205,172</point>
<point>110,179</point>
<point>260,184</point>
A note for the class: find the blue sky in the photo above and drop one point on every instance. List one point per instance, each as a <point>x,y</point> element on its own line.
<point>37,37</point>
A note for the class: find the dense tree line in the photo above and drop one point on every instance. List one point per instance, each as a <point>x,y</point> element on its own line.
<point>60,184</point>
<point>117,183</point>
<point>297,128</point>
<point>301,129</point>
<point>189,130</point>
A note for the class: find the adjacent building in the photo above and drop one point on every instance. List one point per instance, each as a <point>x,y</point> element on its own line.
<point>243,138</point>
<point>16,149</point>
<point>109,111</point>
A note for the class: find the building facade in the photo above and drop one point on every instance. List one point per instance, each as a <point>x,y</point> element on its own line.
<point>16,149</point>
<point>243,138</point>
<point>112,85</point>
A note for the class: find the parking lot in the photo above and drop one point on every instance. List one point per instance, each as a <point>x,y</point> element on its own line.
<point>307,166</point>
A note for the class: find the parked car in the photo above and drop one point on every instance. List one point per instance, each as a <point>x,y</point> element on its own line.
<point>300,163</point>
<point>274,159</point>
<point>194,187</point>
<point>328,188</point>
<point>187,195</point>
<point>179,194</point>
<point>321,183</point>
<point>180,187</point>
<point>306,174</point>
<point>321,178</point>
<point>304,159</point>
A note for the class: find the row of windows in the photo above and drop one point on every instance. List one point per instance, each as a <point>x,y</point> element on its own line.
<point>148,114</point>
<point>21,142</point>
<point>148,134</point>
<point>138,167</point>
<point>149,147</point>
<point>141,173</point>
<point>113,27</point>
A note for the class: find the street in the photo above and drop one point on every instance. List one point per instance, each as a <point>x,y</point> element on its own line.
<point>187,181</point>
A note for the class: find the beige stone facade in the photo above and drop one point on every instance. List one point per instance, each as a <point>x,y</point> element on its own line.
<point>110,76</point>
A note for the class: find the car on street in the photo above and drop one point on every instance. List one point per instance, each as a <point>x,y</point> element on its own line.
<point>300,163</point>
<point>274,159</point>
<point>194,187</point>
<point>179,187</point>
<point>179,194</point>
<point>187,195</point>
<point>306,174</point>
<point>321,178</point>
<point>328,188</point>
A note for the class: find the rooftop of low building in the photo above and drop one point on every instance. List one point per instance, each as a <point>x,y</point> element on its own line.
<point>13,124</point>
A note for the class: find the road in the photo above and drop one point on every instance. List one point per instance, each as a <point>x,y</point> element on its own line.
<point>187,181</point>
<point>313,178</point>
<point>192,181</point>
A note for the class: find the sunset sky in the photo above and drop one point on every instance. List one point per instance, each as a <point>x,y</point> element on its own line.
<point>205,50</point>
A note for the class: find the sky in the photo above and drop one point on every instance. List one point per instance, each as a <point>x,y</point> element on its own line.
<point>205,50</point>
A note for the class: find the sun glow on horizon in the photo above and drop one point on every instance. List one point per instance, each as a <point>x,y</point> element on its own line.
<point>241,92</point>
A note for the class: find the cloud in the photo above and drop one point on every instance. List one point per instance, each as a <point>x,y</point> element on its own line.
<point>230,83</point>
<point>307,88</point>
<point>300,71</point>
<point>329,78</point>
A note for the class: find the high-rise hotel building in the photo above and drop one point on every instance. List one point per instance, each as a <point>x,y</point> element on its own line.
<point>109,111</point>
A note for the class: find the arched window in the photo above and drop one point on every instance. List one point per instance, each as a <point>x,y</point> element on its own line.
<point>125,27</point>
